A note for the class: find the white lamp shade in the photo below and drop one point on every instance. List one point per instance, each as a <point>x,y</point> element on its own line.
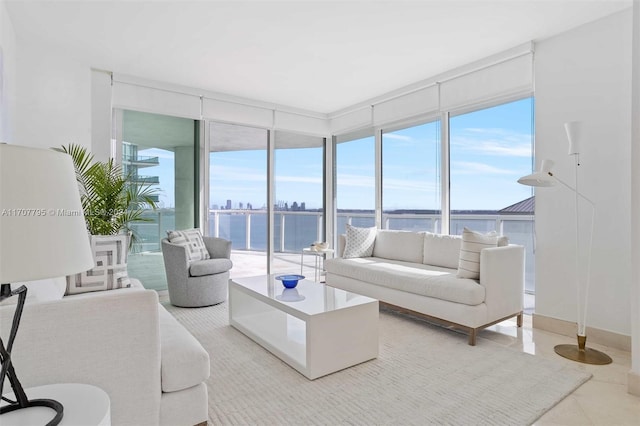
<point>574,134</point>
<point>42,227</point>
<point>543,177</point>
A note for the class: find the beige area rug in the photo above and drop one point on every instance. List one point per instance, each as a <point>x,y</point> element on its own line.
<point>424,375</point>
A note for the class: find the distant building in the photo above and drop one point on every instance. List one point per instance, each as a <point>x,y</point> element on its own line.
<point>228,205</point>
<point>132,162</point>
<point>527,207</point>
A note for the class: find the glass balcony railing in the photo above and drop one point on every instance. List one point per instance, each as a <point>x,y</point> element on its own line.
<point>293,231</point>
<point>141,159</point>
<point>150,180</point>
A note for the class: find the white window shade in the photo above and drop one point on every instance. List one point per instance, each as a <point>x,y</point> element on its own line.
<point>413,104</point>
<point>510,77</point>
<point>301,123</point>
<point>237,113</point>
<point>351,120</point>
<point>158,101</point>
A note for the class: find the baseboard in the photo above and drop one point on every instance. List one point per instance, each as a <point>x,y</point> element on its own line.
<point>633,383</point>
<point>594,335</point>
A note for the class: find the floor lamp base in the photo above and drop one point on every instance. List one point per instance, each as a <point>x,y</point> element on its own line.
<point>580,353</point>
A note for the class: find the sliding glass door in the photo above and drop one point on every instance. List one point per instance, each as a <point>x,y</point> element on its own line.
<point>298,194</point>
<point>238,193</point>
<point>159,150</point>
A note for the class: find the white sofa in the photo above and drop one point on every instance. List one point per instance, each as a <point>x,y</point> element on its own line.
<point>416,272</point>
<point>122,341</point>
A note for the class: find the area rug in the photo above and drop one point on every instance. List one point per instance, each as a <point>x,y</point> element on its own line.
<point>423,375</point>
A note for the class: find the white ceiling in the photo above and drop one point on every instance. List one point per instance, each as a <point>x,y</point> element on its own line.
<point>319,56</point>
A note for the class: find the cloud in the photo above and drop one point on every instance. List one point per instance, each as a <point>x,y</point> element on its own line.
<point>495,142</point>
<point>359,181</point>
<point>227,173</point>
<point>299,179</point>
<point>409,185</point>
<point>468,168</point>
<point>398,137</point>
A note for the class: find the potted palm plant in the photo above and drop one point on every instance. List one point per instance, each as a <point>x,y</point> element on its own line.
<point>111,200</point>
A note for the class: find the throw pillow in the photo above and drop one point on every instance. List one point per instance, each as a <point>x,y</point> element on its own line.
<point>110,270</point>
<point>472,243</point>
<point>192,240</point>
<point>359,242</point>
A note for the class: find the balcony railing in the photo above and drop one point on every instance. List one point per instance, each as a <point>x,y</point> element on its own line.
<point>294,230</point>
<point>141,159</point>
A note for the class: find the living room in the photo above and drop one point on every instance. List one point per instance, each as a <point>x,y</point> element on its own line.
<point>56,91</point>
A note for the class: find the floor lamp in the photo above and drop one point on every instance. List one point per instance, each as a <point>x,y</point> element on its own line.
<point>544,178</point>
<point>42,235</point>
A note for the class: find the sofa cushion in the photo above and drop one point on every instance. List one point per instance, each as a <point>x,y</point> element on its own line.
<point>430,281</point>
<point>359,242</point>
<point>399,245</point>
<point>183,361</point>
<point>110,271</point>
<point>472,243</point>
<point>209,267</point>
<point>192,240</point>
<point>441,250</point>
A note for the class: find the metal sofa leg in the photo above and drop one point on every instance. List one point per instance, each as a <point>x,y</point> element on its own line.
<point>472,336</point>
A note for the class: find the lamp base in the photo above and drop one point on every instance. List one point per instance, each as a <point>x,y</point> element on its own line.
<point>580,353</point>
<point>50,403</point>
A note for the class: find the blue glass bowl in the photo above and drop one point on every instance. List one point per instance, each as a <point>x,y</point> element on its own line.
<point>290,281</point>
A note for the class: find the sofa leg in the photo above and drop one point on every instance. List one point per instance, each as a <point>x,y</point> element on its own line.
<point>472,337</point>
<point>519,319</point>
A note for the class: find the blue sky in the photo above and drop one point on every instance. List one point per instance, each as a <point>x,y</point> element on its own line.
<point>490,149</point>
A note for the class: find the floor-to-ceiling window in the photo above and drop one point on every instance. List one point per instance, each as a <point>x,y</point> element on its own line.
<point>411,195</point>
<point>238,193</point>
<point>298,195</point>
<point>489,150</point>
<point>355,181</point>
<point>159,150</point>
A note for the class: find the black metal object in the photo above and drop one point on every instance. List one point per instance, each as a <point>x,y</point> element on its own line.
<point>7,366</point>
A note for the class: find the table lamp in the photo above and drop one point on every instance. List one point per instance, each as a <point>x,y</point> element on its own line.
<point>544,178</point>
<point>42,235</point>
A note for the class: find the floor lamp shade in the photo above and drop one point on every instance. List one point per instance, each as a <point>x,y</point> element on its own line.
<point>542,177</point>
<point>42,228</point>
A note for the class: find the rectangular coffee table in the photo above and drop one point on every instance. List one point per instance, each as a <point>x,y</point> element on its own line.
<point>314,328</point>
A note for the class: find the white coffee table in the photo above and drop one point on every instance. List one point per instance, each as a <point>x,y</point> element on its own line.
<point>314,328</point>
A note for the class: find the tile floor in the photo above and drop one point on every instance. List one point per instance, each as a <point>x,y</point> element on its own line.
<point>603,400</point>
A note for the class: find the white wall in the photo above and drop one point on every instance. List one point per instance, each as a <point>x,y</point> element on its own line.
<point>634,374</point>
<point>7,76</point>
<point>53,107</point>
<point>585,74</point>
